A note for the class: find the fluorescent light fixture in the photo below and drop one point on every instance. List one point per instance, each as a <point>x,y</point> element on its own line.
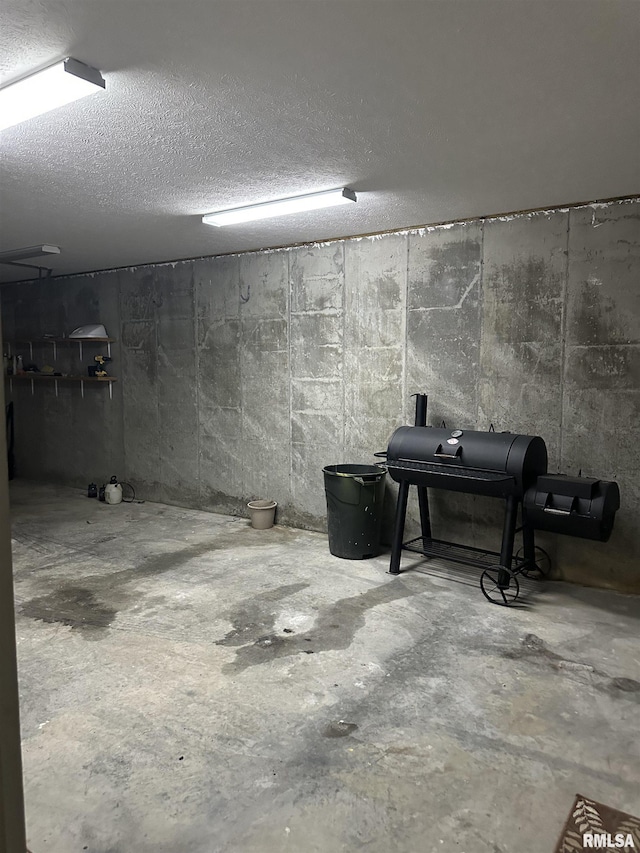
<point>29,252</point>
<point>280,207</point>
<point>46,90</point>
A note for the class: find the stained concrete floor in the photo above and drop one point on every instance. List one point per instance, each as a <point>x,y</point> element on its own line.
<point>190,685</point>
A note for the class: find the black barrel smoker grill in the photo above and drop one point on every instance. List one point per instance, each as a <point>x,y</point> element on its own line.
<point>502,465</point>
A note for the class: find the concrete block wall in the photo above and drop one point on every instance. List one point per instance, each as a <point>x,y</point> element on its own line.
<point>242,376</point>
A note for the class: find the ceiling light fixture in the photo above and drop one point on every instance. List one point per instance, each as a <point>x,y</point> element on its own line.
<point>13,255</point>
<point>59,84</point>
<point>280,207</point>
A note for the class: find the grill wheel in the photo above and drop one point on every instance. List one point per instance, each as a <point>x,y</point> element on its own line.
<point>541,564</point>
<point>493,583</point>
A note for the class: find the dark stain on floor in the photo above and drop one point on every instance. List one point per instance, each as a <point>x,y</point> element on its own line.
<point>253,618</point>
<point>269,641</point>
<point>535,649</point>
<point>335,627</point>
<point>96,599</point>
<point>168,561</point>
<point>70,605</point>
<point>626,684</point>
<point>338,728</point>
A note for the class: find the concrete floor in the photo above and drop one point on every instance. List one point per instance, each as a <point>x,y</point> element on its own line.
<point>190,685</point>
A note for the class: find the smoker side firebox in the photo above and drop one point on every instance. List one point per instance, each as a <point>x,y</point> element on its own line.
<point>575,506</point>
<point>502,465</point>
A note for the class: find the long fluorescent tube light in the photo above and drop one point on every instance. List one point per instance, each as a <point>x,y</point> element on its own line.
<point>46,90</point>
<point>29,252</point>
<point>280,207</point>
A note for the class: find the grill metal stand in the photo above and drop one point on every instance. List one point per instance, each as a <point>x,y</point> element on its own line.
<point>499,579</point>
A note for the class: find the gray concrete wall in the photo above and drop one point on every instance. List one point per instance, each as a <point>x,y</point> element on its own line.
<point>241,376</point>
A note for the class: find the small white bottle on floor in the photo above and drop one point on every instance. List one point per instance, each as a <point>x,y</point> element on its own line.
<point>113,491</point>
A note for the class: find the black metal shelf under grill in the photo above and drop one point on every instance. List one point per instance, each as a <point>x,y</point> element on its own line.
<point>455,552</point>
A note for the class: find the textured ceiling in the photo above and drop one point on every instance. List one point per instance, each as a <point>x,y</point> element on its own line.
<point>430,110</point>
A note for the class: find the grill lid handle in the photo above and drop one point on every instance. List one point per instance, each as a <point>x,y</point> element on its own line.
<point>448,452</point>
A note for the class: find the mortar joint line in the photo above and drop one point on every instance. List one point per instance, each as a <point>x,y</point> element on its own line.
<point>563,342</point>
<point>481,322</point>
<point>241,343</point>
<point>290,378</point>
<point>344,348</point>
<point>196,356</point>
<point>405,348</point>
<point>156,324</point>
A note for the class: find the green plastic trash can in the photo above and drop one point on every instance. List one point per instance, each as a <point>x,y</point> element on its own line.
<point>355,494</point>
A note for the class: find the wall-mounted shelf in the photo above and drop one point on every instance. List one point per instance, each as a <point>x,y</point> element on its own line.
<point>70,340</point>
<point>54,341</point>
<point>45,377</point>
<point>48,377</point>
